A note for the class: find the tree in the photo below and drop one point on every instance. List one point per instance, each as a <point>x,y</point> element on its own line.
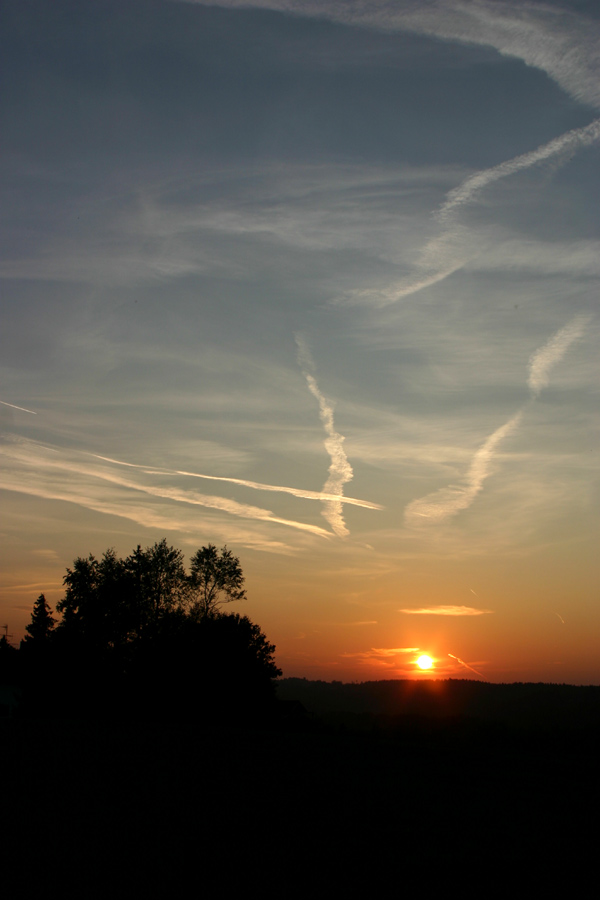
<point>219,667</point>
<point>42,621</point>
<point>159,583</point>
<point>94,608</point>
<point>111,602</point>
<point>140,633</point>
<point>81,584</point>
<point>216,578</point>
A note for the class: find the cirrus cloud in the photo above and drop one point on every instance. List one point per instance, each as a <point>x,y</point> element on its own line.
<point>446,611</point>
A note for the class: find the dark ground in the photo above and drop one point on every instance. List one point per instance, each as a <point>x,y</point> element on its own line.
<point>159,808</point>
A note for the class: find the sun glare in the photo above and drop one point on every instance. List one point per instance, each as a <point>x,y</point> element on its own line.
<point>424,662</point>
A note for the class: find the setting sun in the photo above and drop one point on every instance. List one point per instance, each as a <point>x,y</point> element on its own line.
<point>424,662</point>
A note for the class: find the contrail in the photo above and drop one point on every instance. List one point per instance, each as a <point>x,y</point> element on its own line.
<point>340,470</point>
<point>446,611</point>
<point>22,408</point>
<point>255,485</point>
<point>450,250</point>
<point>22,454</point>
<point>437,506</point>
<point>466,665</point>
<point>221,503</point>
<point>542,361</point>
<point>563,146</point>
<point>560,617</point>
<point>564,46</point>
<point>451,500</point>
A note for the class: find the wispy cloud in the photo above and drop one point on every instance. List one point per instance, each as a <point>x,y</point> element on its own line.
<point>558,41</point>
<point>340,470</point>
<point>448,501</point>
<point>446,611</point>
<point>581,258</point>
<point>387,657</point>
<point>29,587</point>
<point>47,555</point>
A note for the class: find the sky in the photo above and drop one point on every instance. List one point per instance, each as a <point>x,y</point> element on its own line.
<point>317,281</point>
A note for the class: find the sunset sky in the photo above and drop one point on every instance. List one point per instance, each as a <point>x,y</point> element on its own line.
<point>317,280</point>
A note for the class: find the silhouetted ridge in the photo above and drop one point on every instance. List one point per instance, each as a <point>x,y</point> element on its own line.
<point>526,705</point>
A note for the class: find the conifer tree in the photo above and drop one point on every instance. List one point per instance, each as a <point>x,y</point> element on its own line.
<point>42,621</point>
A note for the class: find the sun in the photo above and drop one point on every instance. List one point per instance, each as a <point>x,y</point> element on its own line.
<point>424,662</point>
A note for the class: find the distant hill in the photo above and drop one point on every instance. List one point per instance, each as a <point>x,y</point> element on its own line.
<point>394,703</point>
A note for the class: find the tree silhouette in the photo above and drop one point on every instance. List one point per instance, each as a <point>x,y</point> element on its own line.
<point>110,603</point>
<point>140,634</point>
<point>77,606</point>
<point>159,583</point>
<point>95,606</point>
<point>42,621</point>
<point>216,578</point>
<point>219,667</point>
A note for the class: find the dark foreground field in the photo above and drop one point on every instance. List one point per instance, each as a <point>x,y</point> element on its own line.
<point>304,804</point>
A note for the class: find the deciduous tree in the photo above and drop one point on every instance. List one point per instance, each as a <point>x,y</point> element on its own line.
<point>216,578</point>
<point>159,584</point>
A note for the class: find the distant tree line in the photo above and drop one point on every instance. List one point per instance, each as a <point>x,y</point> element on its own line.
<point>141,636</point>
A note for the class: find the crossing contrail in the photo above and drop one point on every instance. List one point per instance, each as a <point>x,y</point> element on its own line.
<point>255,485</point>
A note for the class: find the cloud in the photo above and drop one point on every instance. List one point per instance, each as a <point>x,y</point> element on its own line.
<point>579,258</point>
<point>340,470</point>
<point>446,611</point>
<point>381,656</point>
<point>557,41</point>
<point>166,230</point>
<point>543,360</point>
<point>439,505</point>
<point>28,588</point>
<point>47,555</point>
